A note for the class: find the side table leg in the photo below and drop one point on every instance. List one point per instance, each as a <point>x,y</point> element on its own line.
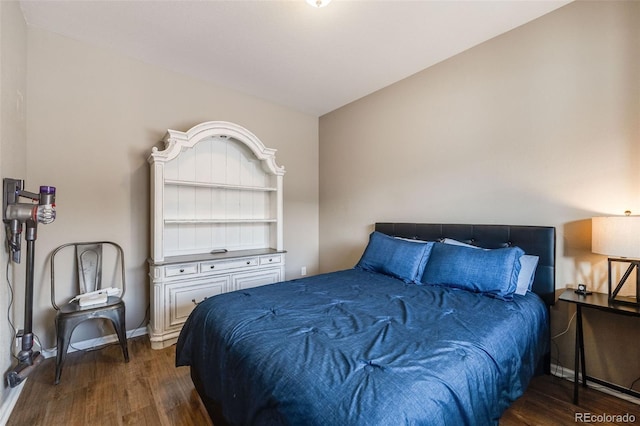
<point>582,361</point>
<point>578,349</point>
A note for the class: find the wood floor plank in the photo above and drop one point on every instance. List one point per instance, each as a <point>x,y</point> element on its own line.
<point>548,401</point>
<point>99,388</point>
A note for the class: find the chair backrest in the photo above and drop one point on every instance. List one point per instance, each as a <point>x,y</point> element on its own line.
<point>89,262</point>
<point>89,272</point>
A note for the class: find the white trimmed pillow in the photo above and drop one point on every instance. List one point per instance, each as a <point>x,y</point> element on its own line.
<point>528,265</point>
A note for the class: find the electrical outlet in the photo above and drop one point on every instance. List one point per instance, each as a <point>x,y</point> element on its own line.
<point>303,271</point>
<point>19,335</point>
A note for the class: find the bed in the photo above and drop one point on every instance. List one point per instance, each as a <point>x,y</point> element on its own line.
<point>405,337</point>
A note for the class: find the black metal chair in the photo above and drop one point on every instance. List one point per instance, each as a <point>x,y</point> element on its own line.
<point>88,277</point>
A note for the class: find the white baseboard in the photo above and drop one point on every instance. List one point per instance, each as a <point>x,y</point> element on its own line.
<point>568,374</point>
<point>93,343</point>
<point>9,402</point>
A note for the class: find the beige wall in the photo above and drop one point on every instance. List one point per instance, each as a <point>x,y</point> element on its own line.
<point>13,64</point>
<point>538,126</point>
<point>94,117</point>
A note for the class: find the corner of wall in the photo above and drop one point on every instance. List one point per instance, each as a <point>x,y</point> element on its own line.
<point>13,59</point>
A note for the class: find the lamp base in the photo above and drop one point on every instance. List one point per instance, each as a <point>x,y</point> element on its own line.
<point>613,293</point>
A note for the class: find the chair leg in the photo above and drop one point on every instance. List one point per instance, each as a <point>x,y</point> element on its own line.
<point>65,327</point>
<point>117,317</point>
<point>63,332</point>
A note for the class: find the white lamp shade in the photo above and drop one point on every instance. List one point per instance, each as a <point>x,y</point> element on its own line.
<point>616,236</point>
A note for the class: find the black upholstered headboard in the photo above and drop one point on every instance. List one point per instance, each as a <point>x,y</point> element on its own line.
<point>535,240</point>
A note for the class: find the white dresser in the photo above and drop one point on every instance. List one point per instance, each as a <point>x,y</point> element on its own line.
<point>216,221</point>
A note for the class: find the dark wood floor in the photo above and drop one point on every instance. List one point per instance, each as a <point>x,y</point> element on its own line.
<point>98,388</point>
<point>548,401</point>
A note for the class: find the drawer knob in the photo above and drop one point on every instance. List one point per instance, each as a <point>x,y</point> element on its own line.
<point>212,266</point>
<point>248,262</point>
<point>270,260</point>
<point>181,270</point>
<point>197,303</point>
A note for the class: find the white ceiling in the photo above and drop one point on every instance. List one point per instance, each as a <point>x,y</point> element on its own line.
<point>287,52</point>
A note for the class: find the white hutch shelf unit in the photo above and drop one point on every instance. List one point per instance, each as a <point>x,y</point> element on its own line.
<point>216,221</point>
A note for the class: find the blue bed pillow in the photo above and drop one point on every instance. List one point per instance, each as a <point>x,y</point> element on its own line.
<point>396,257</point>
<point>491,272</point>
<point>528,265</point>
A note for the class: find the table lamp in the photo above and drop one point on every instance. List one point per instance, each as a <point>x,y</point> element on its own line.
<point>619,238</point>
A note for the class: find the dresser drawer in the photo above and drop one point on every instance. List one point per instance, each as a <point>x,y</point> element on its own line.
<point>182,298</point>
<point>256,278</point>
<point>177,270</point>
<point>276,259</point>
<point>223,265</point>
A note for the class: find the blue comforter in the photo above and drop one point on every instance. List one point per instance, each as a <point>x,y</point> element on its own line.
<point>361,348</point>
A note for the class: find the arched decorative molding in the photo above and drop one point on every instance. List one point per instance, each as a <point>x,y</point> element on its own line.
<point>175,141</point>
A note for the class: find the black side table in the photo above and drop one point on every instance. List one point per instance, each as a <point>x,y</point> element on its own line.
<point>595,301</point>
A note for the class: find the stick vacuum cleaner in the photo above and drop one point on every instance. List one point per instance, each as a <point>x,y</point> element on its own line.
<point>15,215</point>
